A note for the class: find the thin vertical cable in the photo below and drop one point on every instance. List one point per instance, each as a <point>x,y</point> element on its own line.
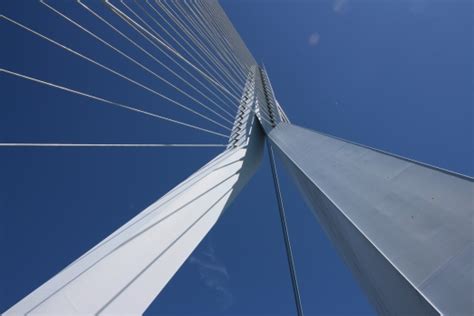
<point>284,227</point>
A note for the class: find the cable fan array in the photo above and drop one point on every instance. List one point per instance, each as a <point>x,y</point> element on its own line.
<point>196,59</point>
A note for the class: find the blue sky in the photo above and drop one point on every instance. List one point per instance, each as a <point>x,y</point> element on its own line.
<point>395,75</point>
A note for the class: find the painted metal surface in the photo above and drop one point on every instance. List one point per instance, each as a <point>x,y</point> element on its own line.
<point>125,272</point>
<point>245,112</point>
<point>404,228</point>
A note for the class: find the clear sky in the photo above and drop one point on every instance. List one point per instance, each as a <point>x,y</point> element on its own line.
<point>395,75</point>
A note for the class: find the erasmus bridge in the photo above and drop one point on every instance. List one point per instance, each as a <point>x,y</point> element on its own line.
<point>404,228</point>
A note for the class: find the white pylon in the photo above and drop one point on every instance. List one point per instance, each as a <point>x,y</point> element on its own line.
<point>125,272</point>
<point>404,228</point>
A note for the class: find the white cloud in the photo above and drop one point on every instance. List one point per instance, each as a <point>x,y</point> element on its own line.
<point>340,6</point>
<point>313,39</point>
<point>214,274</point>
